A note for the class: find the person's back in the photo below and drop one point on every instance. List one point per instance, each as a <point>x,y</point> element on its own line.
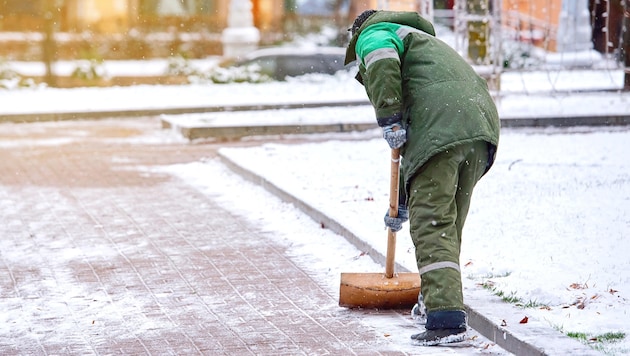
<point>438,97</point>
<point>446,100</point>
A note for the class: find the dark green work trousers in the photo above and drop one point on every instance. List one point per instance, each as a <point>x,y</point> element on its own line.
<point>439,199</point>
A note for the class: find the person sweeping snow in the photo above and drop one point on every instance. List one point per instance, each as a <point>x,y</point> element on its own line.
<point>431,105</point>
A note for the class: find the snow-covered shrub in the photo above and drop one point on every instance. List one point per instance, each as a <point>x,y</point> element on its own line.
<point>244,74</point>
<point>6,72</point>
<point>178,65</point>
<point>10,79</point>
<point>519,55</point>
<point>89,70</point>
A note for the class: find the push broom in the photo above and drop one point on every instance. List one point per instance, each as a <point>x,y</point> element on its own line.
<point>387,290</point>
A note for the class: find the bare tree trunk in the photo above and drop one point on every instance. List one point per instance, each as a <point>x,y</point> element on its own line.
<point>339,23</point>
<point>625,44</point>
<point>48,44</point>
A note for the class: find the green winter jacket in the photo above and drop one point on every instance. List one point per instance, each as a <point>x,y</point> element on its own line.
<point>414,78</point>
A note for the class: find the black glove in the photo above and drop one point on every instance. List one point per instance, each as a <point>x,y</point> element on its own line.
<point>396,223</point>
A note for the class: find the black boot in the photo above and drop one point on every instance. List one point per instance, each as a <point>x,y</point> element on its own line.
<point>434,337</point>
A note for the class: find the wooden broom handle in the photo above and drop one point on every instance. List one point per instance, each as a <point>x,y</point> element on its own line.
<point>393,212</point>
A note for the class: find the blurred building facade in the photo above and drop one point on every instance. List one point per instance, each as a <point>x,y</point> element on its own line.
<point>545,23</point>
<point>119,16</point>
<point>116,16</point>
<point>556,24</point>
<point>131,28</point>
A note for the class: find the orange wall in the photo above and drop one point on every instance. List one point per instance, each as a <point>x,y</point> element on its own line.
<point>102,16</point>
<point>537,17</point>
<point>543,10</point>
<point>268,14</point>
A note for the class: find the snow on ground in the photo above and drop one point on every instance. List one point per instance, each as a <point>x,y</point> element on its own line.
<point>320,252</point>
<point>536,96</point>
<point>113,68</point>
<point>547,227</point>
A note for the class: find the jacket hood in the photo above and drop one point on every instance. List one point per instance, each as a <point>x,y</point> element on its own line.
<point>407,18</point>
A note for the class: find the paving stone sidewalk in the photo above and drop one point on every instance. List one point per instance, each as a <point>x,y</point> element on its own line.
<point>98,257</point>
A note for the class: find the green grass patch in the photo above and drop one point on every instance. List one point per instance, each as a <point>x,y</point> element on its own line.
<point>605,337</point>
<point>577,335</point>
<point>599,342</point>
<point>512,298</point>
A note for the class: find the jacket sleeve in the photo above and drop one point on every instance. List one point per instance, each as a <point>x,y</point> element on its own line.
<point>378,52</point>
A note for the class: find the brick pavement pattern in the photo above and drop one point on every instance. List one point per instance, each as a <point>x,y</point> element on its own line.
<point>98,257</point>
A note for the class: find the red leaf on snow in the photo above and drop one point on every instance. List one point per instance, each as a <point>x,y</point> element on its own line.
<point>524,320</point>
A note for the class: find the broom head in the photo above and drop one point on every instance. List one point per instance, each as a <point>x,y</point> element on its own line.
<point>376,291</point>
